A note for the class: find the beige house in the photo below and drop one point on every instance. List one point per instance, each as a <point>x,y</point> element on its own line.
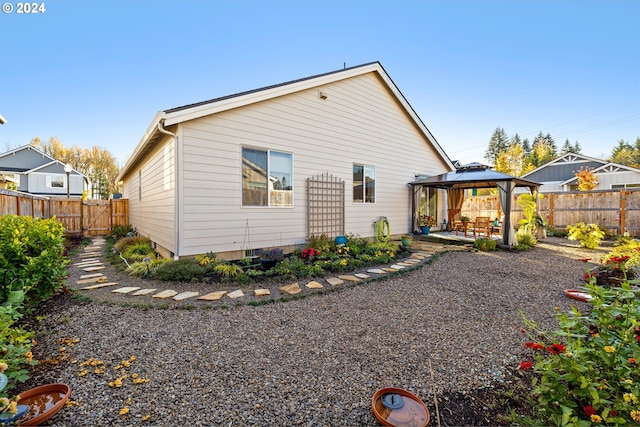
<point>332,153</point>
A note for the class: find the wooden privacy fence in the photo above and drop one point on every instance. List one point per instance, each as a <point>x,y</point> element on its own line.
<point>615,211</point>
<point>85,217</point>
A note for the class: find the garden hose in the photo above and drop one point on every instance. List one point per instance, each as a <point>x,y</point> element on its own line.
<point>382,230</point>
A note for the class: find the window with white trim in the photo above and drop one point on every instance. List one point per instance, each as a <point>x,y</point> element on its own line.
<point>364,184</point>
<point>623,186</point>
<point>56,181</point>
<point>267,178</point>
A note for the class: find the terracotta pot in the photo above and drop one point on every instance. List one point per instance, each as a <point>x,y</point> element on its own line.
<point>578,295</point>
<point>413,412</point>
<point>44,402</point>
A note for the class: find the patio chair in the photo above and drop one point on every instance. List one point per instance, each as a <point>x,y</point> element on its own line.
<point>482,225</point>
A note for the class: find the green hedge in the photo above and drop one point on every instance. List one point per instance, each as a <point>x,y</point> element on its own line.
<point>33,263</point>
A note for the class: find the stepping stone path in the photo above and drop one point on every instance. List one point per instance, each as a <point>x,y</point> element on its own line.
<point>91,262</point>
<point>236,294</point>
<point>213,296</point>
<point>261,292</point>
<point>185,295</point>
<point>292,289</point>
<point>165,294</point>
<point>125,290</point>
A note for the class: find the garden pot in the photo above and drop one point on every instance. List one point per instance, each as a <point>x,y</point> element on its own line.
<point>268,264</point>
<point>397,407</point>
<point>425,230</point>
<point>340,240</point>
<point>406,241</point>
<point>577,295</point>
<point>43,402</point>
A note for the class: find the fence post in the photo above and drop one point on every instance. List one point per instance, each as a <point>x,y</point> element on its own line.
<point>623,205</point>
<point>550,210</point>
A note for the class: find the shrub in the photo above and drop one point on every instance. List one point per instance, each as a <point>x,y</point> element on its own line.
<point>525,239</point>
<point>138,251</point>
<point>589,235</point>
<point>120,231</point>
<point>180,270</point>
<point>593,377</point>
<point>531,221</point>
<point>321,243</point>
<point>557,232</point>
<point>485,245</point>
<point>377,247</point>
<point>227,271</point>
<point>16,342</point>
<point>34,249</point>
<point>626,248</point>
<point>208,258</point>
<point>140,268</point>
<point>122,244</point>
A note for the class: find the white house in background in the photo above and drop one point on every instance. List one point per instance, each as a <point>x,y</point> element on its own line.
<point>559,174</point>
<point>35,172</point>
<point>258,169</point>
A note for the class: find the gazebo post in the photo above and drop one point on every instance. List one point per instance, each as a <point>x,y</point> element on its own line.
<point>506,226</point>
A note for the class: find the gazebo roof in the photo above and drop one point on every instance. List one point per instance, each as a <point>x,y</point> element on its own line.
<point>473,175</point>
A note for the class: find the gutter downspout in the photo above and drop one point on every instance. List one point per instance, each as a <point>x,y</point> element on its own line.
<point>176,215</point>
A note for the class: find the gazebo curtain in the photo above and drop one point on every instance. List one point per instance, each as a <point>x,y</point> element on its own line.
<point>505,188</point>
<point>455,198</point>
<point>416,203</point>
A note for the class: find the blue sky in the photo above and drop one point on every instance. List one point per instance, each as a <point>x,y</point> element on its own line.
<point>96,72</point>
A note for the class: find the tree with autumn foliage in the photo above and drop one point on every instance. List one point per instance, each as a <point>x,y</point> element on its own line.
<point>96,163</point>
<point>626,154</point>
<point>510,161</point>
<point>587,180</point>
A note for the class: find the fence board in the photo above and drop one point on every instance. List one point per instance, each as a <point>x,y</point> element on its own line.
<point>615,211</point>
<point>89,217</point>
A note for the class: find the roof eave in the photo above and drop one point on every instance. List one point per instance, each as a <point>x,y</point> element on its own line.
<point>143,145</point>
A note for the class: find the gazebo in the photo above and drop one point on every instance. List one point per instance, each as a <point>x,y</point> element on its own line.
<point>474,175</point>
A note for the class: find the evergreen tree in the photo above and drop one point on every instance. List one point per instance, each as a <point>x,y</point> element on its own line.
<point>542,151</point>
<point>526,146</point>
<point>498,142</point>
<point>626,154</point>
<point>569,148</point>
<point>577,148</point>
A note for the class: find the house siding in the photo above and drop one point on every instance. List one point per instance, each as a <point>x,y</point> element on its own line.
<point>606,180</point>
<point>153,214</point>
<point>359,122</point>
<point>36,183</point>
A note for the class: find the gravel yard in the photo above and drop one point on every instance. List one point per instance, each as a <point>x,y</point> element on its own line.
<point>314,361</point>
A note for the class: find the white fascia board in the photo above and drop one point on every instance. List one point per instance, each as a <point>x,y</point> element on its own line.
<point>146,137</point>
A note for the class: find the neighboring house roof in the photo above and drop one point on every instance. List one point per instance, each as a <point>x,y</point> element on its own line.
<point>177,115</point>
<point>563,168</point>
<point>608,168</point>
<point>33,165</point>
